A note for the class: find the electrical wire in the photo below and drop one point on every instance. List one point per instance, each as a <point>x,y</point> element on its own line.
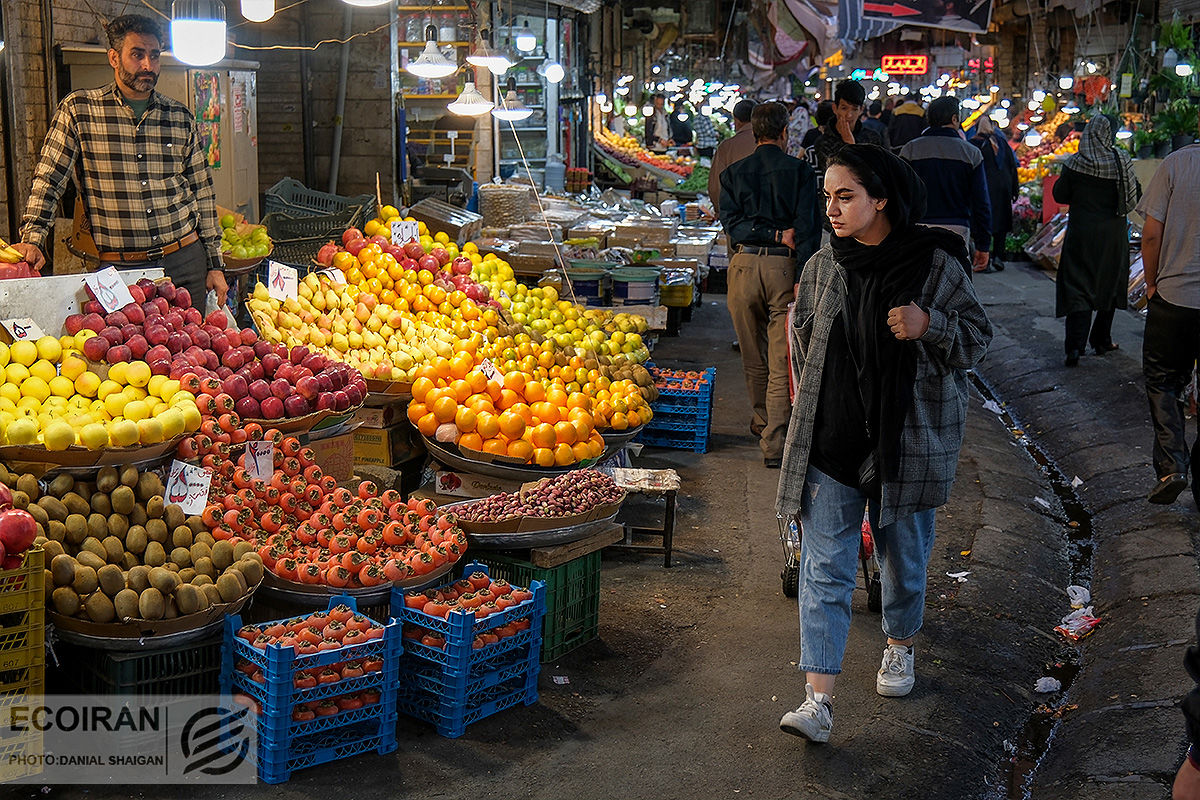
<point>347,40</point>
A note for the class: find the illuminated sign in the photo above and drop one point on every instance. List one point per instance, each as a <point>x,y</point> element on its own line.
<point>905,65</point>
<point>862,75</point>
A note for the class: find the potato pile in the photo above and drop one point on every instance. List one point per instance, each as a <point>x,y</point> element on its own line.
<point>117,551</point>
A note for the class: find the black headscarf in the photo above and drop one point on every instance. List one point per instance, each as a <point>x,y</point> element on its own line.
<point>882,277</point>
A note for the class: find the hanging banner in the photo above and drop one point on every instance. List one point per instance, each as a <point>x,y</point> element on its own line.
<point>954,15</point>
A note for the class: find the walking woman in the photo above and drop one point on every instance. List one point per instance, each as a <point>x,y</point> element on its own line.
<point>1000,166</point>
<point>1093,274</point>
<point>886,326</point>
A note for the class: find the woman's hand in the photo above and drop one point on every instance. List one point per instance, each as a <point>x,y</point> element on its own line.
<point>908,322</point>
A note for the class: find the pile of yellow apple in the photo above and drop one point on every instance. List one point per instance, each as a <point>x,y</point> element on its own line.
<point>50,396</point>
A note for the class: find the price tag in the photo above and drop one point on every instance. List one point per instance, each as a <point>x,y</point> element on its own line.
<point>22,329</point>
<point>110,290</point>
<point>187,487</point>
<point>259,460</point>
<point>489,369</point>
<point>282,281</point>
<point>334,274</point>
<point>404,231</point>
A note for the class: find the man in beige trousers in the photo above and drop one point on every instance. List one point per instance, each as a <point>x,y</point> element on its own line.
<point>770,210</point>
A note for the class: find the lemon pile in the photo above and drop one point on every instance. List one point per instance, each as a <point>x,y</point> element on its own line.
<point>50,396</point>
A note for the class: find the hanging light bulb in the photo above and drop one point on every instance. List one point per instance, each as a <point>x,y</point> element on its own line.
<point>511,109</point>
<point>470,103</point>
<point>630,111</point>
<point>258,10</point>
<point>526,41</point>
<point>552,71</point>
<point>366,3</point>
<point>198,31</point>
<point>647,110</point>
<point>1066,82</point>
<point>482,55</point>
<point>1183,69</point>
<point>431,63</point>
<point>1033,138</point>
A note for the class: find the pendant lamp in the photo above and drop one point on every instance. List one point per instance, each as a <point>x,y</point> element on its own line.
<point>431,63</point>
<point>483,55</point>
<point>511,109</point>
<point>258,10</point>
<point>198,31</point>
<point>470,103</point>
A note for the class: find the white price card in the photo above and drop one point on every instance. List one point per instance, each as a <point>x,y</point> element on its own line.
<point>22,329</point>
<point>404,231</point>
<point>187,487</point>
<point>282,281</point>
<point>109,289</point>
<point>334,274</point>
<point>489,369</point>
<point>259,460</point>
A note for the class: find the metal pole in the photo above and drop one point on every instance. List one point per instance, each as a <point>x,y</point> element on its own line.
<point>340,112</point>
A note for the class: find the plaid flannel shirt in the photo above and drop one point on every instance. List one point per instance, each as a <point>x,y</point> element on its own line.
<point>144,183</point>
<point>706,132</point>
<point>957,339</point>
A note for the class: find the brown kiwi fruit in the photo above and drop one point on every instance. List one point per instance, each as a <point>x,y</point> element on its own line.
<point>171,565</point>
<point>187,598</point>
<point>93,545</point>
<point>172,610</point>
<point>54,508</point>
<point>39,515</point>
<point>20,500</point>
<point>202,580</point>
<point>61,484</point>
<point>186,574</point>
<point>29,485</point>
<point>100,608</point>
<point>251,570</point>
<point>76,504</point>
<point>85,581</point>
<point>126,604</point>
<point>154,507</point>
<point>199,551</point>
<point>129,476</point>
<point>204,566</point>
<point>251,556</point>
<point>53,548</point>
<point>229,587</point>
<point>214,594</point>
<point>49,584</point>
<point>90,559</point>
<point>62,568</point>
<point>148,485</point>
<point>101,504</point>
<point>155,555</point>
<point>97,525</point>
<point>182,536</point>
<point>164,580</point>
<point>156,532</point>
<point>107,479</point>
<point>174,516</point>
<point>123,500</point>
<point>222,555</point>
<point>202,598</point>
<point>205,538</point>
<point>196,524</point>
<point>114,549</point>
<point>151,604</point>
<point>138,516</point>
<point>138,578</point>
<point>118,525</point>
<point>181,557</point>
<point>66,601</point>
<point>57,531</point>
<point>129,561</point>
<point>112,579</point>
<point>136,540</point>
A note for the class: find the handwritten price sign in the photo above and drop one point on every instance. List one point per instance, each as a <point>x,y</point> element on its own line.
<point>259,460</point>
<point>282,281</point>
<point>110,290</point>
<point>404,231</point>
<point>334,274</point>
<point>187,487</point>
<point>489,369</point>
<point>23,329</point>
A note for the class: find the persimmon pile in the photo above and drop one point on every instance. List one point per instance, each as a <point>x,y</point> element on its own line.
<point>476,594</point>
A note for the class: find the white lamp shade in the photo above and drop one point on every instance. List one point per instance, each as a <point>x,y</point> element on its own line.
<point>431,63</point>
<point>470,103</point>
<point>552,71</point>
<point>526,41</point>
<point>482,55</point>
<point>511,109</point>
<point>1183,69</point>
<point>258,10</point>
<point>198,31</point>
<point>366,3</point>
<point>1066,82</point>
<point>1033,138</point>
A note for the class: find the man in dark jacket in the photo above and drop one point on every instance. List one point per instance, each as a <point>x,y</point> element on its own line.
<point>770,211</point>
<point>874,122</point>
<point>955,182</point>
<point>908,120</point>
<point>846,127</point>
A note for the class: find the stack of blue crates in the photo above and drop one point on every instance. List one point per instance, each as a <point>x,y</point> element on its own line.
<point>285,745</point>
<point>682,417</point>
<point>453,687</point>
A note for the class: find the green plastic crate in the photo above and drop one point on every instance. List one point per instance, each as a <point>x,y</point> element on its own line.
<point>572,598</point>
<point>188,669</point>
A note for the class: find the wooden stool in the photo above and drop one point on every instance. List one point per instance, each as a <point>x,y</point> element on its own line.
<point>658,484</point>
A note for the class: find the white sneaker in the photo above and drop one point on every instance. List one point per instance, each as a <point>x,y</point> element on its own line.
<point>895,678</point>
<point>813,720</point>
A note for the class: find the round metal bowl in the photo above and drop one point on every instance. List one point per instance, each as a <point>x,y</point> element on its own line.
<point>545,538</point>
<point>495,469</point>
<point>615,440</point>
<point>317,596</point>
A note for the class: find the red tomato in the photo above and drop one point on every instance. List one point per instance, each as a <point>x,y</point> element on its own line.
<point>373,634</point>
<point>358,623</point>
<point>354,637</point>
<point>435,608</point>
<point>479,580</point>
<point>275,631</point>
<point>335,630</point>
<point>340,613</point>
<point>328,644</point>
<point>249,633</point>
<point>375,664</point>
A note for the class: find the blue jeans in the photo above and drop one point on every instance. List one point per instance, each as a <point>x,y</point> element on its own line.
<point>831,524</point>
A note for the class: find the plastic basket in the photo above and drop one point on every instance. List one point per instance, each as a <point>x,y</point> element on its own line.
<point>460,687</point>
<point>286,227</point>
<point>23,639</point>
<point>451,720</point>
<point>374,737</point>
<point>673,440</point>
<point>681,421</point>
<point>572,598</point>
<point>20,756</point>
<point>186,669</point>
<point>299,253</point>
<point>292,197</point>
<point>475,658</point>
<point>23,588</point>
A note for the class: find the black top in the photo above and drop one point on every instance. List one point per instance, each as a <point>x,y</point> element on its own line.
<point>841,441</point>
<point>1191,701</point>
<point>767,192</point>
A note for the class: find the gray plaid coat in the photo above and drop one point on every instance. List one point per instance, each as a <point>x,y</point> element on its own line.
<point>957,339</point>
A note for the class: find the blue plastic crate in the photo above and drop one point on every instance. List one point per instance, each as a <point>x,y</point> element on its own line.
<point>378,737</point>
<point>477,659</point>
<point>452,722</point>
<point>281,737</point>
<point>458,688</point>
<point>684,422</point>
<point>280,697</point>
<point>696,442</point>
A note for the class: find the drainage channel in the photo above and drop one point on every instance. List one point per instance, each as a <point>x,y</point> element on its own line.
<point>1023,754</point>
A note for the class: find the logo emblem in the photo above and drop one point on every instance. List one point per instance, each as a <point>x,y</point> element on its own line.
<point>215,741</point>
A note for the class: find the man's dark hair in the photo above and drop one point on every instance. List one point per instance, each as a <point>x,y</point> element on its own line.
<point>824,112</point>
<point>769,121</point>
<point>850,91</point>
<point>131,23</point>
<point>875,109</point>
<point>743,110</point>
<point>942,112</point>
<point>659,96</point>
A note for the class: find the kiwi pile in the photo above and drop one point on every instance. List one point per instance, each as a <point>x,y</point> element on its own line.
<point>116,551</point>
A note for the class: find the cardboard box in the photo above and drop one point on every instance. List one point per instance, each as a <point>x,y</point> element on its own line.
<point>383,416</point>
<point>465,484</point>
<point>385,447</point>
<point>335,455</point>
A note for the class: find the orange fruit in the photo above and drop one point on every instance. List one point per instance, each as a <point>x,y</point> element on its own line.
<point>514,380</point>
<point>420,386</point>
<point>442,367</point>
<point>583,429</point>
<point>563,455</point>
<point>494,389</point>
<point>546,412</point>
<point>579,400</point>
<point>595,447</point>
<point>487,425</point>
<point>470,441</point>
<point>508,399</point>
<point>416,411</point>
<point>424,371</point>
<point>428,424</point>
<point>477,380</point>
<point>565,433</point>
<point>557,396</point>
<point>460,365</point>
<point>461,389</point>
<point>512,425</point>
<point>535,392</point>
<point>495,446</point>
<point>619,421</point>
<point>465,419</point>
<point>444,409</point>
<point>524,412</point>
<point>520,449</point>
<point>582,451</point>
<point>481,403</point>
<point>543,435</point>
<point>543,457</point>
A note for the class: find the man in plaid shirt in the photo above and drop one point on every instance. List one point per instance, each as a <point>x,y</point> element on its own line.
<point>136,158</point>
<point>707,137</point>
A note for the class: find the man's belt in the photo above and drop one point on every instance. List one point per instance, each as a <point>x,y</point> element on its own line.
<point>766,251</point>
<point>154,252</point>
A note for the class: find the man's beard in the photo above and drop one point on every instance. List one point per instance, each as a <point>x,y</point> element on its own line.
<point>138,82</point>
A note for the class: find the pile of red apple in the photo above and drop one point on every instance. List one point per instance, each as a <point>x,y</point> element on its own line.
<point>18,529</point>
<point>159,324</point>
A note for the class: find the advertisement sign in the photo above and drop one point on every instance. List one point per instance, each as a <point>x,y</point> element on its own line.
<point>904,65</point>
<point>955,15</point>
